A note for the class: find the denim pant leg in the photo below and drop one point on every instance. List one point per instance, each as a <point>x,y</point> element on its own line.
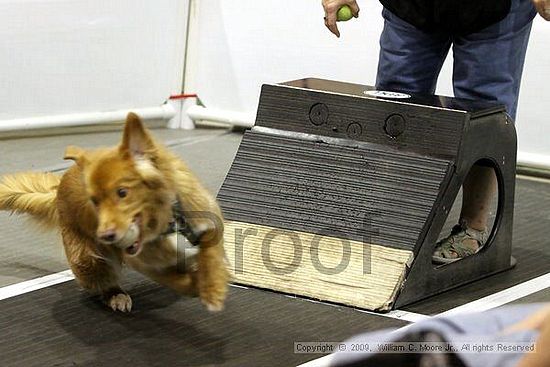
<point>410,60</point>
<point>488,64</point>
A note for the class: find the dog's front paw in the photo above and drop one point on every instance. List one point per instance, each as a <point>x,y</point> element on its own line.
<point>212,277</point>
<point>212,303</point>
<point>120,302</point>
<point>213,289</point>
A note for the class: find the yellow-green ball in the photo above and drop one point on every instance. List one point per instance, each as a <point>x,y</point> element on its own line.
<point>344,14</point>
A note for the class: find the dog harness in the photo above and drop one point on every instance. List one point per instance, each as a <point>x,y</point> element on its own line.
<point>179,225</point>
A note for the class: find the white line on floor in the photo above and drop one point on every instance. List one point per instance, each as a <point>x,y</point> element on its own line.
<point>483,304</point>
<point>64,276</point>
<point>503,297</point>
<point>35,284</point>
<point>534,178</point>
<point>319,362</point>
<point>404,315</point>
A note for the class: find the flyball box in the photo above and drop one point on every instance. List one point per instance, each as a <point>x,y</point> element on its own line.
<point>339,192</point>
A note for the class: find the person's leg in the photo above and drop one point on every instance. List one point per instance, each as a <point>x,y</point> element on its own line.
<point>410,60</point>
<point>478,190</point>
<point>487,66</point>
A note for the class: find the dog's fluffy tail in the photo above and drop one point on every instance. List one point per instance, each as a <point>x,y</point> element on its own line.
<point>31,193</point>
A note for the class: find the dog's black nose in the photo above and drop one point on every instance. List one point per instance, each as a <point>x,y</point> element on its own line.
<point>108,236</point>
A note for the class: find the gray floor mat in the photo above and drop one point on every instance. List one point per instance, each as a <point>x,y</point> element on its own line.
<point>60,326</point>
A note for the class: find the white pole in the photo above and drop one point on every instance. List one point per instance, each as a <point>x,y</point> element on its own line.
<point>164,112</point>
<point>533,160</point>
<point>234,118</point>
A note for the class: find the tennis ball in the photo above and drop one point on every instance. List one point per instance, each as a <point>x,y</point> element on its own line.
<point>344,14</point>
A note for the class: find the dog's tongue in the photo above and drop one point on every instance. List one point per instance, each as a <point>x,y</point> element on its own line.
<point>132,250</point>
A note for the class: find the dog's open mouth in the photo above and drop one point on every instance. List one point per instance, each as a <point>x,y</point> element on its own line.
<point>134,249</point>
<point>132,241</point>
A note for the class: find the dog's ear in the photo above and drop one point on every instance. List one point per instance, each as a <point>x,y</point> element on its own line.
<point>138,145</point>
<point>76,154</point>
<point>136,141</point>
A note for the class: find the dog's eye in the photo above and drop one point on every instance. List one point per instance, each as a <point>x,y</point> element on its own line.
<point>122,192</point>
<point>94,201</point>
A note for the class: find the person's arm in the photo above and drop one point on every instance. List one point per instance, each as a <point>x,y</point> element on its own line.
<point>331,8</point>
<point>540,320</point>
<point>541,356</point>
<point>543,8</point>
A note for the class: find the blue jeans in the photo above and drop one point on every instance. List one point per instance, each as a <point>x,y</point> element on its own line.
<point>487,64</point>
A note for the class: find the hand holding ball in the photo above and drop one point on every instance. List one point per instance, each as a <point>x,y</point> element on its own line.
<point>344,14</point>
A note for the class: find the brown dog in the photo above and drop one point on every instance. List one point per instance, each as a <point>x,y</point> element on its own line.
<point>114,207</point>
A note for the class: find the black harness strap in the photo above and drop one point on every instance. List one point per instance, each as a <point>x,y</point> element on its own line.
<point>180,225</point>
